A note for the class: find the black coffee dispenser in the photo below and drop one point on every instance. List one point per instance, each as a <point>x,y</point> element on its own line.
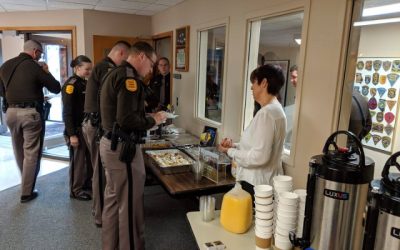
<point>382,230</point>
<point>337,189</point>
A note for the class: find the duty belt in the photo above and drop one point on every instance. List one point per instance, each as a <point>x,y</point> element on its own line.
<point>22,105</point>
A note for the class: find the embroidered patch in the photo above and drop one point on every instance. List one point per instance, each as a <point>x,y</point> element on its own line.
<point>131,85</point>
<point>69,89</point>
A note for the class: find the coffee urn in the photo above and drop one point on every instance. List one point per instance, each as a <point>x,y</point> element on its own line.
<point>337,189</point>
<point>382,230</point>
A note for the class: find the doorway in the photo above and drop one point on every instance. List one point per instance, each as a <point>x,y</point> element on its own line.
<point>58,51</point>
<point>163,46</point>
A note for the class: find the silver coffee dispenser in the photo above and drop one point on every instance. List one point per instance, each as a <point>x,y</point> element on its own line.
<point>382,230</point>
<point>337,189</point>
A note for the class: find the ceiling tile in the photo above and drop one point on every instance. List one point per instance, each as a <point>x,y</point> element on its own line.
<point>117,10</point>
<point>156,7</point>
<point>24,2</point>
<point>122,4</point>
<point>62,5</point>
<point>86,2</point>
<point>20,7</point>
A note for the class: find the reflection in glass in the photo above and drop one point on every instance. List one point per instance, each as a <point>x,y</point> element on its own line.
<point>211,72</point>
<point>276,41</point>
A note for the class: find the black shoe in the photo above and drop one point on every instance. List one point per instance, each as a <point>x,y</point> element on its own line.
<point>26,198</point>
<point>81,197</point>
<point>98,225</point>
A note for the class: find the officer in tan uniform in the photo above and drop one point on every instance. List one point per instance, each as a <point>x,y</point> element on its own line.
<point>73,98</point>
<point>21,83</point>
<point>124,121</point>
<point>91,123</point>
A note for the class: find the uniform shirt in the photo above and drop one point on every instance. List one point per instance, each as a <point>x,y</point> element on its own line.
<point>122,100</point>
<point>94,83</point>
<point>73,98</point>
<point>160,85</point>
<point>27,82</point>
<point>258,154</point>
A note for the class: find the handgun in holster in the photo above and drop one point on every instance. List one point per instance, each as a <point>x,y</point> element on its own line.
<point>128,151</point>
<point>4,107</point>
<point>114,136</point>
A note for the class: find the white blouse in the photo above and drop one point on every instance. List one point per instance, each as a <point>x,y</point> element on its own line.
<point>258,154</point>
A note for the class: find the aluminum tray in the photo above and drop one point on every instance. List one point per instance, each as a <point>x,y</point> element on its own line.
<point>162,158</point>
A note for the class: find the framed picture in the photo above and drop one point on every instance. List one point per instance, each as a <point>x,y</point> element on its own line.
<point>377,79</point>
<point>284,64</point>
<point>182,48</point>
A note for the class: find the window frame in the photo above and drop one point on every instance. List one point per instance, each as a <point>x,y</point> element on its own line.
<point>201,117</point>
<point>288,156</point>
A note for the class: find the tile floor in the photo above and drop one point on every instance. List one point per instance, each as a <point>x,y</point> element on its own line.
<point>9,172</point>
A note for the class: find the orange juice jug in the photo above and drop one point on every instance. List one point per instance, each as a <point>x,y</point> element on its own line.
<point>236,210</point>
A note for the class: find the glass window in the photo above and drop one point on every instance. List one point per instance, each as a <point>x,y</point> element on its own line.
<point>372,85</point>
<point>276,40</point>
<point>211,73</point>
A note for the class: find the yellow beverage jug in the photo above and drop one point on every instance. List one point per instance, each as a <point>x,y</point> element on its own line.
<point>236,210</point>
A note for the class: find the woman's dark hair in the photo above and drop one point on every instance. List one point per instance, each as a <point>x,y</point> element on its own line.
<point>273,74</point>
<point>79,60</point>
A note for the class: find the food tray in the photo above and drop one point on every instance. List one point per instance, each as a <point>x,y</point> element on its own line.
<point>171,161</point>
<point>184,140</point>
<point>156,144</point>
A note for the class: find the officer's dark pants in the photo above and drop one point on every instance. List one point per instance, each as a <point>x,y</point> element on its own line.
<point>115,231</point>
<point>98,180</point>
<point>80,171</point>
<point>26,127</point>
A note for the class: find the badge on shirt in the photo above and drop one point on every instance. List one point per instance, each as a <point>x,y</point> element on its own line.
<point>69,89</point>
<point>131,85</point>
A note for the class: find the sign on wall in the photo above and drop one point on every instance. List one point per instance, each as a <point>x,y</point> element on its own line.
<point>377,79</point>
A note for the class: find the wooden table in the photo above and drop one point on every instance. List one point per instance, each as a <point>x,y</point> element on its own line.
<point>213,231</point>
<point>183,184</point>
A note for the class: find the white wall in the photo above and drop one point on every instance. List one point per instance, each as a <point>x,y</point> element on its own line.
<point>381,41</point>
<point>321,72</point>
<point>12,44</point>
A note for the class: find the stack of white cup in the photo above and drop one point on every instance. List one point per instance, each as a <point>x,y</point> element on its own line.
<point>302,193</point>
<point>281,183</point>
<point>264,206</point>
<point>286,219</point>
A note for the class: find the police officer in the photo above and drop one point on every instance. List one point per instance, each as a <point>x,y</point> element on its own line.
<point>91,124</point>
<point>122,105</point>
<point>160,85</point>
<point>21,83</point>
<point>73,98</point>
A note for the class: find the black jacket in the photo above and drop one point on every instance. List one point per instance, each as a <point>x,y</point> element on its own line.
<point>27,82</point>
<point>73,98</point>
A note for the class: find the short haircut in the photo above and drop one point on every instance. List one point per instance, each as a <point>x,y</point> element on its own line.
<point>273,74</point>
<point>121,44</point>
<point>163,58</point>
<point>293,68</point>
<point>30,45</point>
<point>144,47</point>
<point>79,60</point>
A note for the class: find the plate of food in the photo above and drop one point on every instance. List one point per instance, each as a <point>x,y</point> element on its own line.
<point>171,160</point>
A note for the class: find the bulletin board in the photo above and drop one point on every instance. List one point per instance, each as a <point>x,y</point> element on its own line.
<point>377,79</point>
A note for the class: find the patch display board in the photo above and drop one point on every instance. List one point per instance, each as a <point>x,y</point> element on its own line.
<point>377,79</point>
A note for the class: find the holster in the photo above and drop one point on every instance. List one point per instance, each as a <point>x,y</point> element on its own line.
<point>128,151</point>
<point>4,107</point>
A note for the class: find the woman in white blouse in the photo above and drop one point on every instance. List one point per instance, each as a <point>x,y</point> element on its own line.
<point>258,154</point>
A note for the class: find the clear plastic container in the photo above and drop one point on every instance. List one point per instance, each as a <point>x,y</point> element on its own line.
<point>214,164</point>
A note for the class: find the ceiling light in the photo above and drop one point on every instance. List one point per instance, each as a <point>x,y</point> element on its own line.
<point>381,10</point>
<point>379,21</point>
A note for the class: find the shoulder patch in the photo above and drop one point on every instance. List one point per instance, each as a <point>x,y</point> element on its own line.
<point>131,85</point>
<point>69,89</point>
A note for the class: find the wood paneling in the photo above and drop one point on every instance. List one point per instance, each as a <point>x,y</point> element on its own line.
<point>103,44</point>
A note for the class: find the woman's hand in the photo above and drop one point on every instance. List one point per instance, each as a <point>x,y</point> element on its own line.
<point>227,143</point>
<point>222,148</point>
<point>74,141</point>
